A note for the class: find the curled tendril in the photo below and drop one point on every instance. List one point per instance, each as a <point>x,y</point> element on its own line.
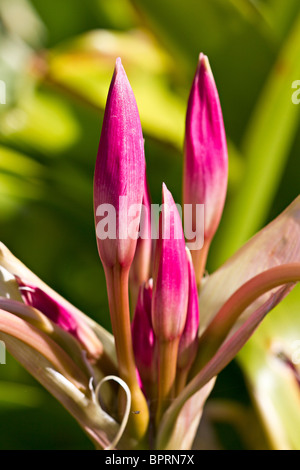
<point>123,425</point>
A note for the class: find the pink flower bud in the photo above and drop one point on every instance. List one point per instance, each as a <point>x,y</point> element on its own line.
<point>143,335</point>
<point>206,161</point>
<point>170,278</point>
<point>140,268</point>
<point>189,339</point>
<point>37,298</point>
<point>119,174</point>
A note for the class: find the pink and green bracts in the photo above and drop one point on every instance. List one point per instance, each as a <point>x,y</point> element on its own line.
<point>185,328</point>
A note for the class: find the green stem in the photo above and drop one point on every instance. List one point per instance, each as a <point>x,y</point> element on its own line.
<point>167,359</point>
<point>181,378</point>
<point>117,287</point>
<point>199,258</point>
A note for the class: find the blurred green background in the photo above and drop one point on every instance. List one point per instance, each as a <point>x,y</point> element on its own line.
<point>57,59</point>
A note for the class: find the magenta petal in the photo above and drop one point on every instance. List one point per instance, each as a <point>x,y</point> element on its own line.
<point>141,265</point>
<point>206,160</point>
<point>170,289</point>
<point>189,338</point>
<point>37,298</point>
<point>143,338</point>
<point>119,172</point>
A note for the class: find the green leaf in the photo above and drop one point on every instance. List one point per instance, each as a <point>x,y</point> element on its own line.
<point>9,262</point>
<point>18,164</point>
<point>182,433</point>
<point>20,180</point>
<point>233,44</point>
<point>271,362</point>
<point>266,147</point>
<point>98,425</point>
<point>42,121</point>
<point>278,16</point>
<point>85,66</point>
<point>18,395</point>
<point>276,244</point>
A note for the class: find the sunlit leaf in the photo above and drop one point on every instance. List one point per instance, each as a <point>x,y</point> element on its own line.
<point>18,395</point>
<point>278,15</point>
<point>13,265</point>
<point>187,422</point>
<point>18,164</point>
<point>276,244</point>
<point>266,146</point>
<point>218,29</point>
<point>41,121</point>
<point>99,426</point>
<point>271,361</point>
<point>85,67</point>
<point>21,19</point>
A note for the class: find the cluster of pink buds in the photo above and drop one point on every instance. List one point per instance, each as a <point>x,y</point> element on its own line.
<point>173,329</point>
<point>157,349</point>
<point>162,339</point>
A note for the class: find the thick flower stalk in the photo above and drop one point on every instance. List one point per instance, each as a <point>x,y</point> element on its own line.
<point>205,160</point>
<point>166,360</point>
<point>119,188</point>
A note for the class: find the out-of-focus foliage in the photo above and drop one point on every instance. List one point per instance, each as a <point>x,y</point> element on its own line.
<point>272,363</point>
<point>56,59</point>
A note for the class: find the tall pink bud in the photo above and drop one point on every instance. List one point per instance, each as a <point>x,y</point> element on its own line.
<point>119,174</point>
<point>206,161</point>
<point>170,297</point>
<point>118,193</point>
<point>170,277</point>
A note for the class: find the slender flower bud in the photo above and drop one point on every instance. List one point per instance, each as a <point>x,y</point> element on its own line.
<point>143,337</point>
<point>140,268</point>
<point>170,297</point>
<point>189,338</point>
<point>206,160</point>
<point>58,314</point>
<point>118,193</point>
<point>170,277</point>
<point>119,174</point>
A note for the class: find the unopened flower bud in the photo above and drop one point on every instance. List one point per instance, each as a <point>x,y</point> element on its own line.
<point>205,160</point>
<point>119,174</point>
<point>189,339</point>
<point>58,314</point>
<point>170,277</point>
<point>143,337</point>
